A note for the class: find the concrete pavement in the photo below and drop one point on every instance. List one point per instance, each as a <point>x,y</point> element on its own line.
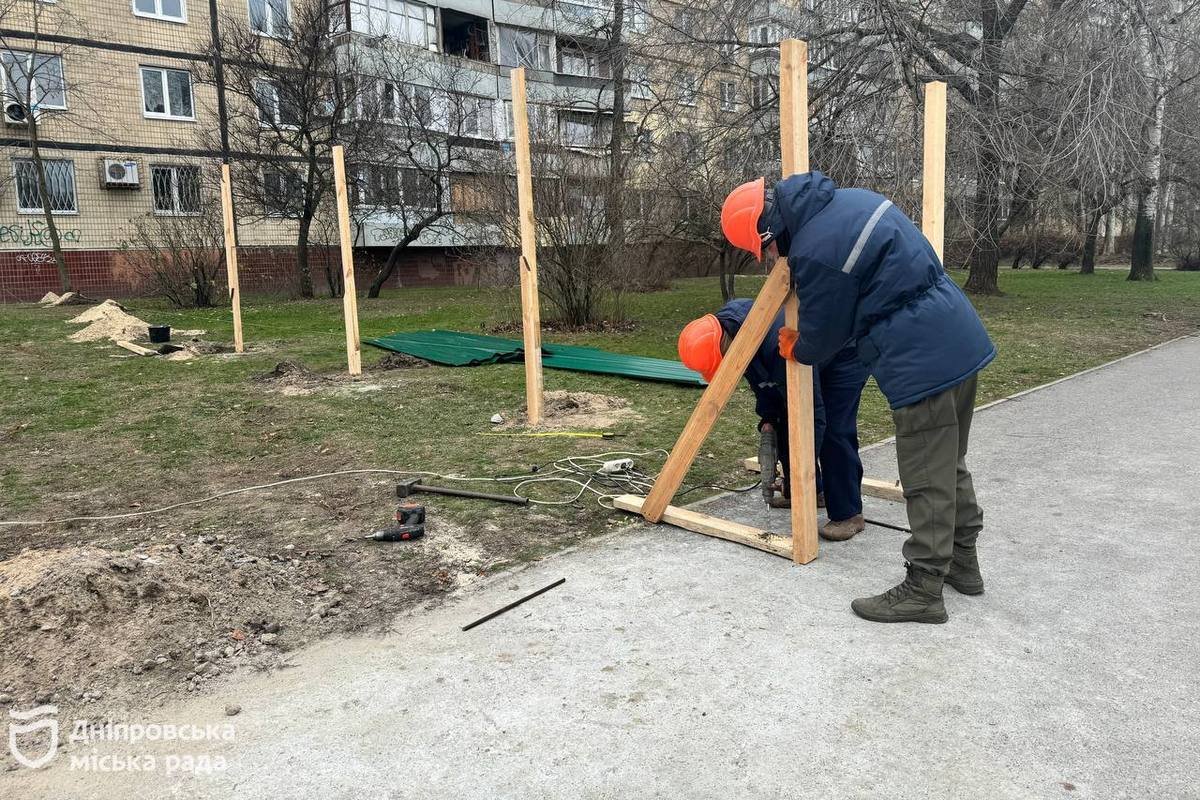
<point>672,665</point>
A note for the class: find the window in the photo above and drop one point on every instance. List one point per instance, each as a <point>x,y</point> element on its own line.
<point>761,34</point>
<point>270,17</point>
<point>405,21</point>
<point>274,111</point>
<point>636,18</point>
<point>173,10</point>
<point>582,129</point>
<point>48,89</point>
<point>728,96</point>
<point>540,120</point>
<point>465,35</point>
<point>575,60</point>
<point>282,192</point>
<point>639,82</point>
<point>762,91</point>
<point>687,89</point>
<point>60,185</point>
<point>167,93</point>
<point>385,186</point>
<point>472,116</point>
<point>523,48</point>
<point>176,189</point>
<point>419,189</point>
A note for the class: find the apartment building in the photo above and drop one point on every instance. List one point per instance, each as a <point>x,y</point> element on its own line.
<point>133,119</point>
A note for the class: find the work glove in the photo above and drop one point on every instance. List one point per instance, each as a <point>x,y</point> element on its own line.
<point>787,341</point>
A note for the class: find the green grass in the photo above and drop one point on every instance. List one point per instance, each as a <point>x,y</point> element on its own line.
<point>82,430</point>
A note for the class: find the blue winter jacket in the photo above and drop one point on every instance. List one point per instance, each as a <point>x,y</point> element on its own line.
<point>767,372</point>
<point>865,274</point>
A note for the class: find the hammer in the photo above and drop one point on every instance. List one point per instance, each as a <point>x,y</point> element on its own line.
<point>410,485</point>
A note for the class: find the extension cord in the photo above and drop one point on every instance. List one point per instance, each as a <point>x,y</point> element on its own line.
<point>616,465</point>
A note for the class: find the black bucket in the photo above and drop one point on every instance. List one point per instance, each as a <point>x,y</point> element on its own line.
<point>159,333</point>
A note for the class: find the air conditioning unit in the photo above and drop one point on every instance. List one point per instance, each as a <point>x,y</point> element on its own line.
<point>15,113</point>
<point>118,174</point>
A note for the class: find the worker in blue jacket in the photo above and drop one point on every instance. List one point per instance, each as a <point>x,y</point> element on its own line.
<point>837,389</point>
<point>866,276</point>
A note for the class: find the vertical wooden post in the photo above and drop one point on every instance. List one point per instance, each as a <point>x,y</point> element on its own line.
<point>231,265</point>
<point>793,133</point>
<point>933,184</point>
<point>349,292</point>
<point>531,317</point>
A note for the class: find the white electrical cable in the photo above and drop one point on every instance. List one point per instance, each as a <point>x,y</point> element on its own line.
<point>570,473</point>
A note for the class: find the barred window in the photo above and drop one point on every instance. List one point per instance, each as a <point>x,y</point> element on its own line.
<point>176,189</point>
<point>167,93</point>
<point>60,185</point>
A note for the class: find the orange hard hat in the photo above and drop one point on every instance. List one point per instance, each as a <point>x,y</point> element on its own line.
<point>740,213</point>
<point>700,345</point>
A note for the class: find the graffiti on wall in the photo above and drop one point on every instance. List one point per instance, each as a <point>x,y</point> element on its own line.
<point>34,233</point>
<point>36,257</point>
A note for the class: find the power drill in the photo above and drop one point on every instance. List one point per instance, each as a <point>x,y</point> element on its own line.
<point>768,457</point>
<point>410,519</point>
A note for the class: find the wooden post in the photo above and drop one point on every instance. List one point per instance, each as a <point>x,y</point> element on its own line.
<point>531,317</point>
<point>231,264</point>
<point>793,133</point>
<point>933,184</point>
<point>349,293</point>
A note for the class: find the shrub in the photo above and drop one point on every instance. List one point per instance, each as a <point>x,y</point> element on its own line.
<point>180,256</point>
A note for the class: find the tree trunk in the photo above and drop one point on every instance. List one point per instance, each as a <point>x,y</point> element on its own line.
<point>615,201</point>
<point>39,169</point>
<point>1110,232</point>
<point>985,255</point>
<point>1141,266</point>
<point>303,269</point>
<point>1091,236</point>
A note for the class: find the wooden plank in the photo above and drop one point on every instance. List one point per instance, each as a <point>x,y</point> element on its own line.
<point>531,317</point>
<point>933,184</point>
<point>766,307</point>
<point>885,490</point>
<point>231,258</point>
<point>349,291</point>
<point>136,348</point>
<point>793,132</point>
<point>708,525</point>
<point>872,487</point>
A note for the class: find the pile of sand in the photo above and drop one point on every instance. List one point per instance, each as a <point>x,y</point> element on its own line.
<point>108,321</point>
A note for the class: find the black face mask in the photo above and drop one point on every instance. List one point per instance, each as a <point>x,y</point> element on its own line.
<point>771,227</point>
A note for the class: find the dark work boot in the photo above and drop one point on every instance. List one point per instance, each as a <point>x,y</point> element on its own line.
<point>917,599</point>
<point>964,573</point>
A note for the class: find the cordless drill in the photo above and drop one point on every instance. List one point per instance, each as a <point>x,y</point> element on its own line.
<point>410,524</point>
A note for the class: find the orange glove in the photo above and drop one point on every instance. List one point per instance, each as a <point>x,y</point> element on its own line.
<point>787,340</point>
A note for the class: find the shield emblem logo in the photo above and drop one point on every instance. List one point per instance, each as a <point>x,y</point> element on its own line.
<point>32,721</point>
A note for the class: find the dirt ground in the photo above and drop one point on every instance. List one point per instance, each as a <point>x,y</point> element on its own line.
<point>120,614</point>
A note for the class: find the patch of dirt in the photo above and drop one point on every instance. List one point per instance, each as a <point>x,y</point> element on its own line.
<point>96,626</point>
<point>400,361</point>
<point>294,379</point>
<point>579,411</point>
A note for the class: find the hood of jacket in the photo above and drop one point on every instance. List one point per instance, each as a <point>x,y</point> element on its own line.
<point>798,199</point>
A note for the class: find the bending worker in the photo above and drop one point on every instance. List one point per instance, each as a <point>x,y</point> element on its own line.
<point>866,276</point>
<point>837,388</point>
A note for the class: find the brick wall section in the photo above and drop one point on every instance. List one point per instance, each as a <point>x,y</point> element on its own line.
<point>27,275</point>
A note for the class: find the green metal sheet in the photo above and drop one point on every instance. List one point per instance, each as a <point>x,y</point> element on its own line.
<point>589,359</point>
<point>451,348</point>
<point>468,349</point>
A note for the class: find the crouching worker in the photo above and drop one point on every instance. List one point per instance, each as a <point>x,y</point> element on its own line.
<point>866,275</point>
<point>837,388</point>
